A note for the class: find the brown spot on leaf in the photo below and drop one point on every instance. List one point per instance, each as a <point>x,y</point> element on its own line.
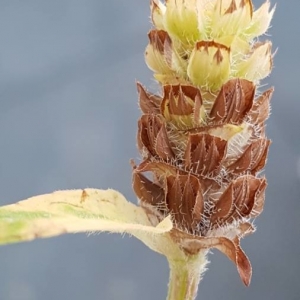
<point>84,196</point>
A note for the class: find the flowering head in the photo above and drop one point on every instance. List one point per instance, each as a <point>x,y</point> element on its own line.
<point>209,42</point>
<point>203,138</point>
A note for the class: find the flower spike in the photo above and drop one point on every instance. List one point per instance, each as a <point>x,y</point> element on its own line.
<point>204,143</point>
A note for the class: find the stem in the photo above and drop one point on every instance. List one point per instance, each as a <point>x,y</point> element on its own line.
<point>185,276</point>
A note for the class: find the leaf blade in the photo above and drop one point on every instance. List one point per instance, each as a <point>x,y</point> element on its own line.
<point>73,211</point>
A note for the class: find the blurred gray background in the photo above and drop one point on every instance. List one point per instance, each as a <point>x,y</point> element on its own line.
<point>68,119</point>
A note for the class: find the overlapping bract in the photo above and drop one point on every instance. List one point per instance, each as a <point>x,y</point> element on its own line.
<point>203,140</point>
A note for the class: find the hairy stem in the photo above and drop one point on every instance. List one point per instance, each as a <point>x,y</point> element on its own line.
<point>185,276</point>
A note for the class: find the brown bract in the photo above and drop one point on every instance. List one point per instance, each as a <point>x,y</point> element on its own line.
<point>208,182</point>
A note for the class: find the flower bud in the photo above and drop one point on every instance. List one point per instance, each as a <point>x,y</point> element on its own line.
<point>258,64</point>
<point>181,20</point>
<point>209,65</point>
<point>230,17</point>
<point>157,13</point>
<point>163,59</point>
<point>158,52</point>
<point>260,21</point>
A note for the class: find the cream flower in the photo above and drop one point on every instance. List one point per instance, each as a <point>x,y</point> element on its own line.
<point>226,30</point>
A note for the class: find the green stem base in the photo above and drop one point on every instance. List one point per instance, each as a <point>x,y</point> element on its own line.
<point>185,276</point>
